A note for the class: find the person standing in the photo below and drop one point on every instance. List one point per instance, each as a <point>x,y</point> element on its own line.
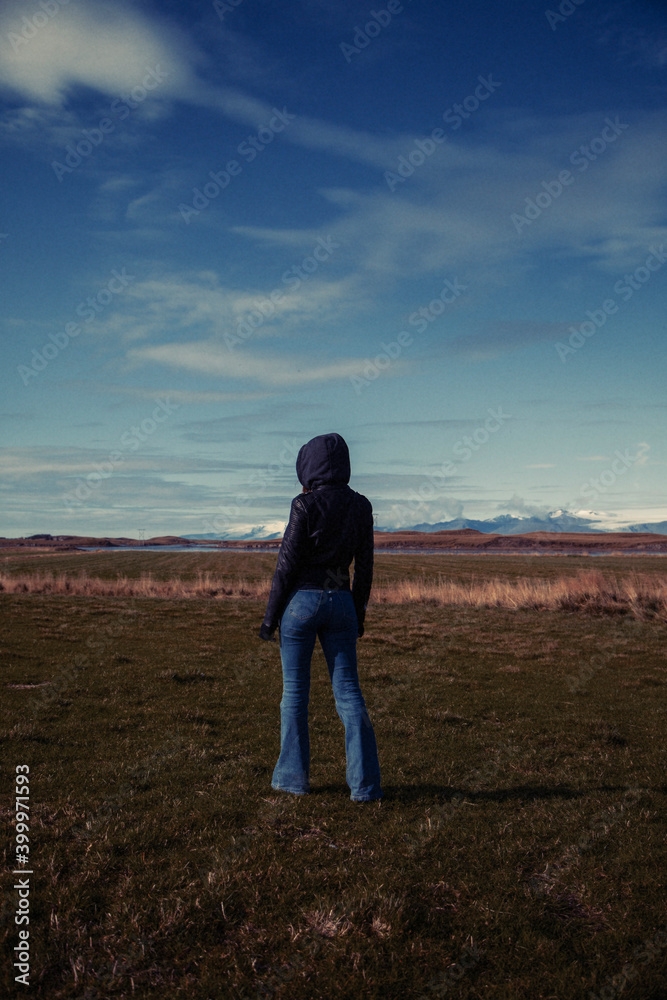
<point>329,526</point>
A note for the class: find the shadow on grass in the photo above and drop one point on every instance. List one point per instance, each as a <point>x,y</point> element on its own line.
<point>446,793</point>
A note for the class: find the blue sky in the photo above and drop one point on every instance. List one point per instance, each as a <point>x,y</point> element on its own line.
<point>437,229</point>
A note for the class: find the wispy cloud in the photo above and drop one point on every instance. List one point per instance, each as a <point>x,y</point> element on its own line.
<point>524,508</point>
<point>109,50</point>
<point>39,461</point>
<point>195,397</point>
<point>453,213</point>
<point>456,210</point>
<point>195,305</point>
<point>213,359</point>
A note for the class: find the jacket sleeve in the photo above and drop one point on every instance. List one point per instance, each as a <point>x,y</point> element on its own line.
<point>290,554</point>
<point>363,563</point>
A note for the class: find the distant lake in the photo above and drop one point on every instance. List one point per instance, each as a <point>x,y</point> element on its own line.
<point>157,548</point>
<point>214,548</point>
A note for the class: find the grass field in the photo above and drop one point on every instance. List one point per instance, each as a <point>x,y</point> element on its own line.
<point>519,851</point>
<point>634,586</point>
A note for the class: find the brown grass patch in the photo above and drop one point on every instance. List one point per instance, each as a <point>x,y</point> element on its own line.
<point>641,596</point>
<point>590,591</point>
<point>205,585</point>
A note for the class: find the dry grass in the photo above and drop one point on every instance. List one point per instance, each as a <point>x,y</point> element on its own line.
<point>204,585</point>
<point>639,595</point>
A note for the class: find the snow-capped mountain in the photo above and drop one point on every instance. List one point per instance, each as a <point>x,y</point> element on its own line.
<point>557,521</point>
<point>560,521</point>
<point>657,527</point>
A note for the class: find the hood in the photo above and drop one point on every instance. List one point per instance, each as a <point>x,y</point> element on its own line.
<point>323,461</point>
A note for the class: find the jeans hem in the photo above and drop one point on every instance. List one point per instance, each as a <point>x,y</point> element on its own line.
<point>291,791</point>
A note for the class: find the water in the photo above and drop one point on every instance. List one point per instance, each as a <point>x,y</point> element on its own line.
<point>157,548</point>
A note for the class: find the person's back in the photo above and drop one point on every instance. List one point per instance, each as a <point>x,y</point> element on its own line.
<point>329,526</point>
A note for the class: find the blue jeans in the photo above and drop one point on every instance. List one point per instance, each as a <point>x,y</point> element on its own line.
<point>329,615</point>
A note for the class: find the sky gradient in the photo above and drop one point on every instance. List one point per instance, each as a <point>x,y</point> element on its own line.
<point>438,230</point>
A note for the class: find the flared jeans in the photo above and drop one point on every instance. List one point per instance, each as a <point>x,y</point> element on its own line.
<point>330,616</point>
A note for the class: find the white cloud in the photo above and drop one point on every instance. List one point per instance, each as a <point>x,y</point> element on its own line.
<point>110,49</point>
<point>22,463</point>
<point>401,515</point>
<point>52,465</point>
<point>107,48</point>
<point>455,211</point>
<point>517,505</point>
<point>197,305</point>
<point>214,359</point>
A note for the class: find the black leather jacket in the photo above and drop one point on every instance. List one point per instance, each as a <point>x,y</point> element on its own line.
<point>329,526</point>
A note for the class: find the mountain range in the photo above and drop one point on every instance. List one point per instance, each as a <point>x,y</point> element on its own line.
<point>559,521</point>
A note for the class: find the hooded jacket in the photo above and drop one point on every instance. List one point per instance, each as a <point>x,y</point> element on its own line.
<point>328,527</point>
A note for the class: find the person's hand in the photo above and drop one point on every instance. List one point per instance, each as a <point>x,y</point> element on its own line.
<point>267,633</point>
